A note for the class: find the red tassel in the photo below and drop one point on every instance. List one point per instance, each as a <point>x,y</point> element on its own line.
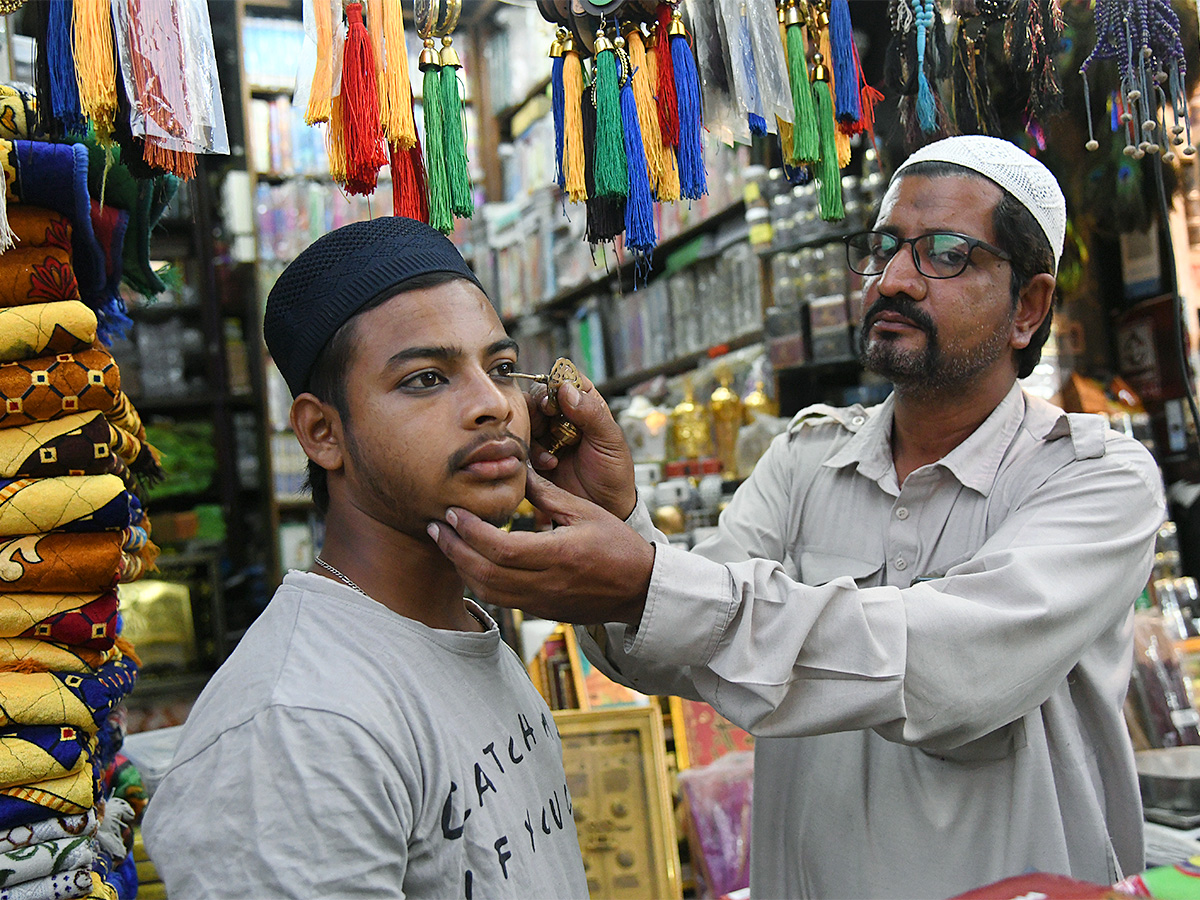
<point>360,101</point>
<point>409,196</point>
<point>668,105</point>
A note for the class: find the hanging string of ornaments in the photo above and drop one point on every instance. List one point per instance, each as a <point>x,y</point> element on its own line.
<point>1143,38</point>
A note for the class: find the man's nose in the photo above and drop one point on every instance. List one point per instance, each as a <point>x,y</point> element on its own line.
<point>487,400</point>
<point>901,276</point>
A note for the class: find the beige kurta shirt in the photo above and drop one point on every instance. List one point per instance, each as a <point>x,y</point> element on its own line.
<point>935,671</point>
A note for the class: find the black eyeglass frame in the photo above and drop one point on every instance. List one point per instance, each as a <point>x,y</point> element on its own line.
<point>971,242</point>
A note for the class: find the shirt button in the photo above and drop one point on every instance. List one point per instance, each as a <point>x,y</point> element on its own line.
<point>858,420</point>
<point>901,564</point>
<point>902,512</point>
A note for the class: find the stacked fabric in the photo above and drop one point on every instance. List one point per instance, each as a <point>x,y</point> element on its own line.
<point>73,455</point>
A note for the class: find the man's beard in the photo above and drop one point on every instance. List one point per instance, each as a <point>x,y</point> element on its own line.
<point>928,370</point>
<point>375,481</point>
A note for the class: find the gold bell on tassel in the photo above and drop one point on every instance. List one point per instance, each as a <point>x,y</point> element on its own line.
<point>449,55</point>
<point>429,58</point>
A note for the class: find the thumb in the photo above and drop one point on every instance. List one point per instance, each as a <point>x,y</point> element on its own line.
<point>563,507</point>
<point>587,410</point>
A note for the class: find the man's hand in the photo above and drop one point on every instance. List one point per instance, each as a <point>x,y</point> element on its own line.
<point>591,568</point>
<point>600,467</point>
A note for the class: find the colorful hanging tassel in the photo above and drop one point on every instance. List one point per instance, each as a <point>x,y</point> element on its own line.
<point>64,82</point>
<point>806,139</point>
<point>785,129</point>
<point>666,188</point>
<point>605,215</point>
<point>557,101</point>
<point>824,51</point>
<point>926,110</point>
<point>398,125</point>
<point>829,176</point>
<point>335,140</point>
<point>458,174</point>
<point>360,107</point>
<point>844,59</point>
<point>639,208</point>
<point>693,179</point>
<point>95,65</point>
<point>319,95</point>
<point>409,189</point>
<point>639,65</point>
<point>668,103</point>
<point>609,168</point>
<point>440,215</point>
<point>1032,35</point>
<point>574,155</point>
<point>374,17</point>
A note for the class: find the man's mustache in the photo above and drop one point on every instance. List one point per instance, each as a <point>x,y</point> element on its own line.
<point>903,306</point>
<point>459,458</point>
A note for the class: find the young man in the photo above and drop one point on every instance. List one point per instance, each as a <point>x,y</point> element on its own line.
<point>923,609</point>
<point>371,735</point>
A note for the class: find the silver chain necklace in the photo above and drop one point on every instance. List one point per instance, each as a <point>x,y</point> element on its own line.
<point>321,562</point>
<point>339,574</point>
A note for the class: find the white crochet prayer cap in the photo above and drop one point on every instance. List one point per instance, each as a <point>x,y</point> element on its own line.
<point>1010,167</point>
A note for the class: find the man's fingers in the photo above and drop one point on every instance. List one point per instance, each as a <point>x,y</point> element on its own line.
<point>562,506</point>
<point>519,550</point>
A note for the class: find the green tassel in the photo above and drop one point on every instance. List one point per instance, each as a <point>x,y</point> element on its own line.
<point>461,202</point>
<point>435,157</point>
<point>828,175</point>
<point>806,143</point>
<point>611,172</point>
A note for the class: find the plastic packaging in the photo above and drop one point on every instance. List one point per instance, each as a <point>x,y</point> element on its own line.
<point>170,74</point>
<point>719,799</point>
<point>1161,695</point>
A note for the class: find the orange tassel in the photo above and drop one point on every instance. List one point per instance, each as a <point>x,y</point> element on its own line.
<point>375,31</point>
<point>319,96</point>
<point>399,127</point>
<point>647,114</point>
<point>574,161</point>
<point>335,140</point>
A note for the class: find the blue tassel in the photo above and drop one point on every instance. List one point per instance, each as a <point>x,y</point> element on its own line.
<point>693,179</point>
<point>112,322</point>
<point>557,107</point>
<point>60,53</point>
<point>845,77</point>
<point>926,110</point>
<point>639,207</point>
<point>758,125</point>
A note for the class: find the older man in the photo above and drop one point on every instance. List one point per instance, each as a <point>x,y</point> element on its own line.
<point>922,609</point>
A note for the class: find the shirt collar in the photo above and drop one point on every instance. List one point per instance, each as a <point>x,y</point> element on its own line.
<point>975,462</point>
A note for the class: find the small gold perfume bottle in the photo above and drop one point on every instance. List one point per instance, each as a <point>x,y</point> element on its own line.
<point>690,427</point>
<point>562,432</point>
<point>727,416</point>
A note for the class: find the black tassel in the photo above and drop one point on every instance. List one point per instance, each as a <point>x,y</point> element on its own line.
<point>605,215</point>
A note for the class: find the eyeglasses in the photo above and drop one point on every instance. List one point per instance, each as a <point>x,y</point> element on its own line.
<point>938,254</point>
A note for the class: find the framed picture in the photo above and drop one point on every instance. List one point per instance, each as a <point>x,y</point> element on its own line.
<point>703,735</point>
<point>621,801</point>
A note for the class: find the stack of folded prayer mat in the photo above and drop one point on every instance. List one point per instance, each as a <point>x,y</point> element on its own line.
<point>72,457</point>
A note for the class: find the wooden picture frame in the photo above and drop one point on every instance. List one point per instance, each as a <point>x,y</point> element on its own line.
<point>616,767</point>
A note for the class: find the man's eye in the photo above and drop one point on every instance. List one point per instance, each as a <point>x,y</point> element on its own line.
<point>421,380</point>
<point>504,369</point>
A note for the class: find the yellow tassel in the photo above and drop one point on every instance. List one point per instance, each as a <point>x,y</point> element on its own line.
<point>666,189</point>
<point>644,98</point>
<point>335,140</point>
<point>399,126</point>
<point>322,83</point>
<point>374,23</point>
<point>785,128</point>
<point>95,69</point>
<point>841,139</point>
<point>573,158</point>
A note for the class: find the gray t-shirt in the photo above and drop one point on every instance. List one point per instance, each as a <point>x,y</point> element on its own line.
<point>346,751</point>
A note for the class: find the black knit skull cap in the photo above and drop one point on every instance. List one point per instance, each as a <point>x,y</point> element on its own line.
<point>340,273</point>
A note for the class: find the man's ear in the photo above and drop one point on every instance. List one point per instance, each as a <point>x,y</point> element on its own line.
<point>318,428</point>
<point>1033,305</point>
